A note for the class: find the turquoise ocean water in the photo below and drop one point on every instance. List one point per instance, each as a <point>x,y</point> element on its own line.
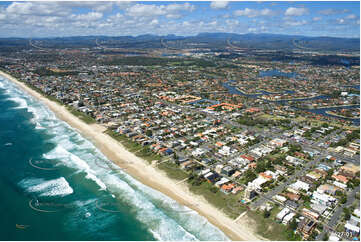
<point>55,185</point>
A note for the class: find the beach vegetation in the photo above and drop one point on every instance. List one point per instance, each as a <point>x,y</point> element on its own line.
<point>228,203</point>
<point>83,116</point>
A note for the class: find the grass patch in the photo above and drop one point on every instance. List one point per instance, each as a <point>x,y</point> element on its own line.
<point>83,116</point>
<point>270,229</point>
<point>173,171</point>
<point>227,203</point>
<point>141,151</point>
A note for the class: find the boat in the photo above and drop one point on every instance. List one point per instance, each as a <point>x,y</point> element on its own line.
<point>21,226</point>
<point>8,144</point>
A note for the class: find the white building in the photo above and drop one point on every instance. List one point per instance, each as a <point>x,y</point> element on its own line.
<point>323,199</point>
<point>282,214</point>
<point>298,185</point>
<point>287,219</point>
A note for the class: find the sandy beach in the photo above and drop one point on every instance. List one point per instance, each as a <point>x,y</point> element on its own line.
<point>145,173</point>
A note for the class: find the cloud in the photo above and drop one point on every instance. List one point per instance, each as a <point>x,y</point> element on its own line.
<point>296,11</point>
<point>37,9</point>
<point>351,16</point>
<point>340,21</point>
<point>253,12</point>
<point>316,18</point>
<point>93,5</point>
<point>219,4</point>
<point>296,23</point>
<point>150,10</point>
<point>92,16</point>
<point>331,11</point>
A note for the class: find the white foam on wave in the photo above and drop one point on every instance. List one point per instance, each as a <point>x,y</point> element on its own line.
<point>158,223</point>
<point>2,85</point>
<point>22,102</point>
<point>71,160</point>
<point>189,219</point>
<point>56,187</point>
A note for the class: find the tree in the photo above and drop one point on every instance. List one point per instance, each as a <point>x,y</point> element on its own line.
<point>325,237</point>
<point>249,176</point>
<point>266,213</point>
<point>293,225</point>
<point>149,133</point>
<point>343,199</point>
<point>347,213</point>
<point>214,189</point>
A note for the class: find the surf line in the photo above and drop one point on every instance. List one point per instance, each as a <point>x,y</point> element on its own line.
<point>39,210</point>
<point>41,168</point>
<point>104,209</point>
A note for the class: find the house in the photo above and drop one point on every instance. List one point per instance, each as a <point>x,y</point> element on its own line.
<point>308,180</point>
<point>291,204</point>
<point>280,198</point>
<point>349,152</point>
<point>292,196</point>
<point>227,170</point>
<point>350,170</point>
<point>236,174</point>
<point>327,189</point>
<point>258,182</point>
<point>282,214</point>
<point>300,155</point>
<point>355,230</point>
<point>246,159</point>
<point>250,192</point>
<point>287,219</point>
<point>299,132</point>
<point>211,177</point>
<point>340,178</point>
<point>278,142</point>
<point>300,185</point>
<point>252,165</point>
<point>314,175</point>
<point>237,189</point>
<point>333,237</point>
<point>319,208</point>
<point>340,185</point>
<point>306,226</point>
<point>227,188</point>
<point>187,164</point>
<point>322,198</point>
<point>198,152</point>
<point>293,160</point>
<point>310,213</point>
<point>221,182</point>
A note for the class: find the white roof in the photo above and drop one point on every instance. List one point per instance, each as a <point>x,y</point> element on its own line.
<point>357,212</point>
<point>300,185</point>
<point>283,212</point>
<point>289,217</point>
<point>333,237</point>
<point>352,227</point>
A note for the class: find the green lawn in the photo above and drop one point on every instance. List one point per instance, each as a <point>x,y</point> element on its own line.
<point>83,116</point>
<point>141,151</point>
<point>270,229</point>
<point>173,171</point>
<point>227,203</point>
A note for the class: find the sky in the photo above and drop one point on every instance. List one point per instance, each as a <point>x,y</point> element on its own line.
<point>58,19</point>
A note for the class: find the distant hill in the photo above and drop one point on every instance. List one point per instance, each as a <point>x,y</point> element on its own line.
<point>202,40</point>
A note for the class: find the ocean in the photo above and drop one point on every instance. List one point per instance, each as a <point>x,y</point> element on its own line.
<point>56,185</point>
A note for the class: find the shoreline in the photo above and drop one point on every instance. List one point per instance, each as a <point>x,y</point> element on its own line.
<point>145,173</point>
